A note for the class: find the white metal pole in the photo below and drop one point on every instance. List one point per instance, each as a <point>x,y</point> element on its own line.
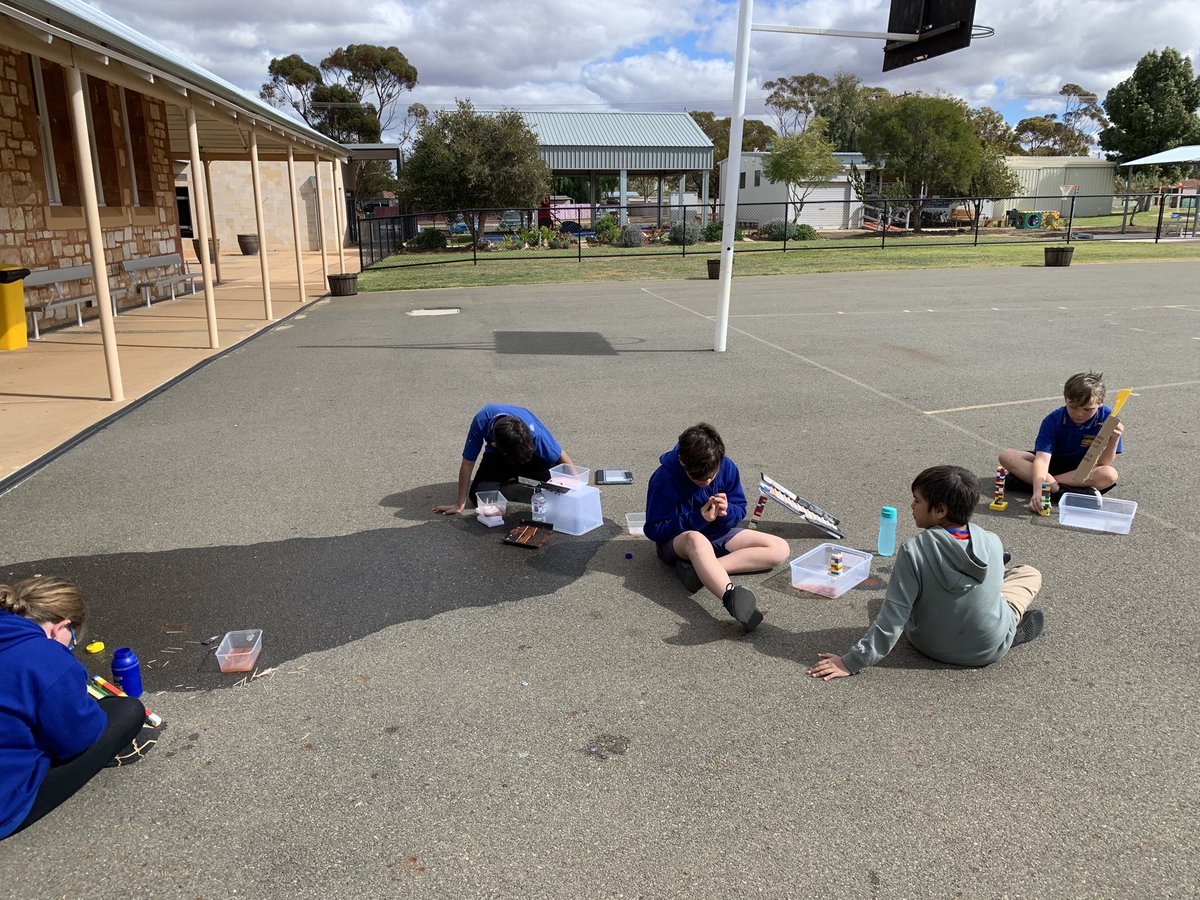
<point>260,223</point>
<point>339,212</point>
<point>733,168</point>
<point>200,229</point>
<point>291,170</point>
<point>91,209</point>
<point>320,221</point>
<point>212,221</point>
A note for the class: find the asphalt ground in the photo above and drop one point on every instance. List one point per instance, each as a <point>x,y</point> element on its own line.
<point>451,717</point>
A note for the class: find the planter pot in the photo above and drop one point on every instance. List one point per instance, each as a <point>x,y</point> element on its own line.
<point>214,247</point>
<point>343,285</point>
<point>714,268</point>
<point>248,244</point>
<point>1059,256</point>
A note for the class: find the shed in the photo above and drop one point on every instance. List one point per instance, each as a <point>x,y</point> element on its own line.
<point>1042,178</point>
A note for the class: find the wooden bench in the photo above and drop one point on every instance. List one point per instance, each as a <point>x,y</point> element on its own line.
<point>54,280</point>
<point>151,272</point>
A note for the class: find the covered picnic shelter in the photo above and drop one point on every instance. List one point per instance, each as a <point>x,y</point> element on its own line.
<point>595,144</point>
<point>1188,153</point>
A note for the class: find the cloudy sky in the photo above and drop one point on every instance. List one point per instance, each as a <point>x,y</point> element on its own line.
<point>669,54</point>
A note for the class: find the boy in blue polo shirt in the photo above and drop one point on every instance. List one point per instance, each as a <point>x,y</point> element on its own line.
<point>516,444</point>
<point>1063,440</point>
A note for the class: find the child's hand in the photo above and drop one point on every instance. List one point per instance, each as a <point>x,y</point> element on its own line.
<point>713,507</point>
<point>830,667</point>
<point>1118,429</point>
<point>449,509</point>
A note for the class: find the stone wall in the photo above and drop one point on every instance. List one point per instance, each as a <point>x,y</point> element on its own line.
<point>38,235</point>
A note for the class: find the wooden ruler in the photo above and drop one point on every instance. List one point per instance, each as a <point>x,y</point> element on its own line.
<point>1100,441</point>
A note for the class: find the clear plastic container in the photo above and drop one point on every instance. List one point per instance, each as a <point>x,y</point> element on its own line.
<point>239,650</point>
<point>490,507</point>
<point>575,512</point>
<point>569,476</point>
<point>810,572</point>
<point>635,522</point>
<point>490,503</point>
<point>1097,513</point>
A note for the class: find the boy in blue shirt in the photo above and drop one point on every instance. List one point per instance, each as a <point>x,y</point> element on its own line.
<point>949,592</point>
<point>516,444</point>
<point>1062,442</point>
<point>693,505</point>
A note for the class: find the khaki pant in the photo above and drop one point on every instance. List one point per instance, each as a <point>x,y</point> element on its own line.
<point>1021,585</point>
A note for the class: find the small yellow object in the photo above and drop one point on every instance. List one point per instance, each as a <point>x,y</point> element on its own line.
<point>95,647</point>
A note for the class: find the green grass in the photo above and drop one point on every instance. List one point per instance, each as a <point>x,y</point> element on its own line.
<point>513,270</point>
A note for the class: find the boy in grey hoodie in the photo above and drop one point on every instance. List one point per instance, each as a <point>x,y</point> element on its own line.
<point>949,591</point>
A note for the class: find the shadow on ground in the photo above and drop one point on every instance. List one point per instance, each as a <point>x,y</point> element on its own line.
<point>307,594</point>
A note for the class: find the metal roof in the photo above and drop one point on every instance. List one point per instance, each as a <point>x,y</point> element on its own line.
<point>611,141</point>
<point>72,32</point>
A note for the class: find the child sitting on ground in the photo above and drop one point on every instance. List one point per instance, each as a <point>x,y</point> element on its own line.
<point>53,736</point>
<point>1062,442</point>
<point>949,592</point>
<point>693,505</point>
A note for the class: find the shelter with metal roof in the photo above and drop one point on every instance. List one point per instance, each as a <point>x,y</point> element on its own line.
<point>593,144</point>
<point>95,115</point>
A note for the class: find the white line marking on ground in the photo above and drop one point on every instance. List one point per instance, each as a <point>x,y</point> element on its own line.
<point>816,365</point>
<point>1115,310</point>
<point>1136,393</point>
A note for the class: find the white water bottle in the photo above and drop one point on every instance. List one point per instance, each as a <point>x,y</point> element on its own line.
<point>538,504</point>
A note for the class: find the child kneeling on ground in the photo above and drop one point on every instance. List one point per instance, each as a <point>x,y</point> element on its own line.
<point>949,591</point>
<point>693,505</point>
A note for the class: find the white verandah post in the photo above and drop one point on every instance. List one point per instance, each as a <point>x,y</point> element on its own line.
<point>201,225</point>
<point>294,196</point>
<point>260,223</point>
<point>91,208</point>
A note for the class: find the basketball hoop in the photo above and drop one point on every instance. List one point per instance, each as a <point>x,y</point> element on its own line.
<point>1068,190</point>
<point>982,31</point>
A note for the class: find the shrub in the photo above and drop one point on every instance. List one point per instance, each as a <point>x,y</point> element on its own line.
<point>606,229</point>
<point>714,229</point>
<point>805,233</point>
<point>685,233</point>
<point>631,236</point>
<point>530,236</point>
<point>428,239</point>
<point>779,230</point>
<point>559,241</point>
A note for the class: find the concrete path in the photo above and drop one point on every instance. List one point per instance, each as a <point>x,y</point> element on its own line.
<point>450,717</point>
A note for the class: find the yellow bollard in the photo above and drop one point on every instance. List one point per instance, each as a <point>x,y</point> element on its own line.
<point>13,333</point>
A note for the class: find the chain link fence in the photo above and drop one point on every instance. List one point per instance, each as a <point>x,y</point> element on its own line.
<point>582,232</point>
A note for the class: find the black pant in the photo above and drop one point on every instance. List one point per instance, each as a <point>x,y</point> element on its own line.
<point>126,716</point>
<point>495,470</point>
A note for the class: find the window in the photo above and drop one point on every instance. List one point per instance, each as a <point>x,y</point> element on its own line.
<point>757,177</point>
<point>741,180</point>
<point>137,148</point>
<point>104,147</point>
<point>54,127</point>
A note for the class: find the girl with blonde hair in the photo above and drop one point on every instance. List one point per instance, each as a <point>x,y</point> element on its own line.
<point>53,736</point>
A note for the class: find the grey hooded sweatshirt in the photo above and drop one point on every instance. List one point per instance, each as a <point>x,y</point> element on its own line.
<point>944,594</point>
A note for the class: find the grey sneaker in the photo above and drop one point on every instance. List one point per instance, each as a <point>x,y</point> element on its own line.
<point>1029,627</point>
<point>741,604</point>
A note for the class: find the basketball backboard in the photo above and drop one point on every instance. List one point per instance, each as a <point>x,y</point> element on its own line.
<point>943,26</point>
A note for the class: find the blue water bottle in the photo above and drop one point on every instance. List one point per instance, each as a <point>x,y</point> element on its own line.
<point>127,672</point>
<point>887,531</point>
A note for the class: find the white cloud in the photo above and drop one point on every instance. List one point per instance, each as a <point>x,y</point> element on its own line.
<point>646,53</point>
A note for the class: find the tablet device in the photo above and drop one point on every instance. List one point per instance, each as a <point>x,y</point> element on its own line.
<point>614,476</point>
